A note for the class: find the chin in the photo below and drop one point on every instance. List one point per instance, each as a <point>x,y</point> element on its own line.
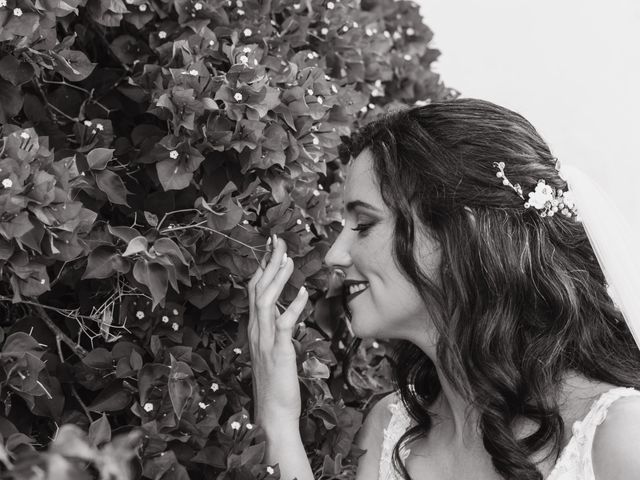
<point>363,329</point>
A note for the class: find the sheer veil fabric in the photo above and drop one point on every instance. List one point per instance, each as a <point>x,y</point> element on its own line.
<point>612,240</point>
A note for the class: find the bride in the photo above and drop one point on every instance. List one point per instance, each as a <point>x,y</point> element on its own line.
<point>463,242</point>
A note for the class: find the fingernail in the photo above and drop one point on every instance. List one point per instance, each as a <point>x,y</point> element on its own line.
<point>269,241</point>
<point>302,289</point>
<point>284,260</point>
<point>275,239</point>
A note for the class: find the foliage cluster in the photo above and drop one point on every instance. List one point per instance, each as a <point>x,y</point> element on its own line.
<point>148,150</point>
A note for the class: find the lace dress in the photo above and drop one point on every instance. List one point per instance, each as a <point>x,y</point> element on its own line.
<point>574,462</point>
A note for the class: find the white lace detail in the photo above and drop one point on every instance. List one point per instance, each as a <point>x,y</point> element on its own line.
<point>398,424</point>
<point>574,462</point>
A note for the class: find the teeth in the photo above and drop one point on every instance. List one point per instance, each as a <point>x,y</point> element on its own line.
<point>357,288</point>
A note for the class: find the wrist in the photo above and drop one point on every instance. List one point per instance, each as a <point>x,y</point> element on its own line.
<point>284,447</point>
<point>281,427</point>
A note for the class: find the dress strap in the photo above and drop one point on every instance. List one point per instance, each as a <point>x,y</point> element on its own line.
<point>398,424</point>
<point>584,430</point>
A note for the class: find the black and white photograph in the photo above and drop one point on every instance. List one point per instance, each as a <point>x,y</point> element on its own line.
<point>319,240</point>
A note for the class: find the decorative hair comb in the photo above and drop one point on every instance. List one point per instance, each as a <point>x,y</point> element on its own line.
<point>544,198</point>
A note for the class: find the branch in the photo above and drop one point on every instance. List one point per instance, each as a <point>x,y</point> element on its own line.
<point>49,106</point>
<point>74,392</point>
<point>60,335</point>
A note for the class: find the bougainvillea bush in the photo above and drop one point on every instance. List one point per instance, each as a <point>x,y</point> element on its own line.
<point>148,150</point>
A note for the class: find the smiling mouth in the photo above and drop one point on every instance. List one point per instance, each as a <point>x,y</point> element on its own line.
<point>352,289</point>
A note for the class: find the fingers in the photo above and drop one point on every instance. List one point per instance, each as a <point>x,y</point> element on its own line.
<point>252,299</point>
<point>288,319</point>
<point>251,288</point>
<point>264,288</point>
<point>266,300</point>
<point>274,264</point>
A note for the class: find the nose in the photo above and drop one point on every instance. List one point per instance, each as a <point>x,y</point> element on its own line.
<point>338,256</point>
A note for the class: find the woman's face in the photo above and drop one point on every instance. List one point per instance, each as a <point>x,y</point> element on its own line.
<point>387,305</point>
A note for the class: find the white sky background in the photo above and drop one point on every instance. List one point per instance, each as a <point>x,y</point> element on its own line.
<point>571,67</point>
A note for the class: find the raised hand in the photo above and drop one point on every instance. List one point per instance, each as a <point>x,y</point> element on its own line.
<point>275,375</point>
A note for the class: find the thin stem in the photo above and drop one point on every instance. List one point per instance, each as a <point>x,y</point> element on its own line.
<point>74,392</point>
<point>77,349</point>
<point>43,388</point>
<point>184,227</point>
<point>201,226</point>
<point>54,82</point>
<point>66,313</point>
<point>59,348</point>
<point>173,213</point>
<point>49,106</point>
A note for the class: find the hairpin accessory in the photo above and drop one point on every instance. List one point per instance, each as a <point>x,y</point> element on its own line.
<point>544,198</point>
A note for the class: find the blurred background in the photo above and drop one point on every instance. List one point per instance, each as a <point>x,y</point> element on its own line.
<point>571,67</point>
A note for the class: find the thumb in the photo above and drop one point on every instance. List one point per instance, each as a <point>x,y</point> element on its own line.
<point>288,319</point>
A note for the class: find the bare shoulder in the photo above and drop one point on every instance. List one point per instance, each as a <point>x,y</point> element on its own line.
<point>616,453</point>
<point>371,435</point>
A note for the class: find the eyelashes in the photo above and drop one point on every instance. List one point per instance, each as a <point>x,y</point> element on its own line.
<point>362,227</point>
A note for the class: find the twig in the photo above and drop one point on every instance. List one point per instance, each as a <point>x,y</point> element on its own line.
<point>201,226</point>
<point>173,213</point>
<point>184,227</point>
<point>48,105</point>
<point>61,311</point>
<point>43,388</point>
<point>60,335</point>
<point>74,392</point>
<point>59,347</point>
<point>53,82</point>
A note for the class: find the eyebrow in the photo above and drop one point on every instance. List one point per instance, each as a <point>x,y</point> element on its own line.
<point>351,206</point>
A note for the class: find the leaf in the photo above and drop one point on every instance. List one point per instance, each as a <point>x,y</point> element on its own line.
<point>253,455</point>
<point>99,358</point>
<point>124,233</point>
<point>11,100</point>
<point>14,70</point>
<point>313,368</point>
<point>71,441</point>
<point>99,157</point>
<point>72,65</point>
<point>151,218</point>
<point>99,431</point>
<point>231,218</point>
<point>156,467</point>
<point>31,280</point>
<point>112,399</point>
<point>115,461</point>
<point>16,227</point>
<point>135,360</point>
<point>213,456</point>
<point>126,48</point>
<point>149,375</point>
<point>176,174</point>
<point>155,277</point>
<point>103,261</point>
<point>136,245</point>
<point>57,466</point>
<point>15,440</point>
<point>201,296</point>
<point>111,184</point>
<point>181,386</point>
<point>20,343</point>
<point>166,246</point>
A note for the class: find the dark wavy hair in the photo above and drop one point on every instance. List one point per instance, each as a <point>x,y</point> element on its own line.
<point>520,299</point>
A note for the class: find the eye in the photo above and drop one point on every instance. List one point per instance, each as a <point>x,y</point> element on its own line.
<point>362,227</point>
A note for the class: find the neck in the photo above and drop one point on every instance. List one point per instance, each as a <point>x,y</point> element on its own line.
<point>457,417</point>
